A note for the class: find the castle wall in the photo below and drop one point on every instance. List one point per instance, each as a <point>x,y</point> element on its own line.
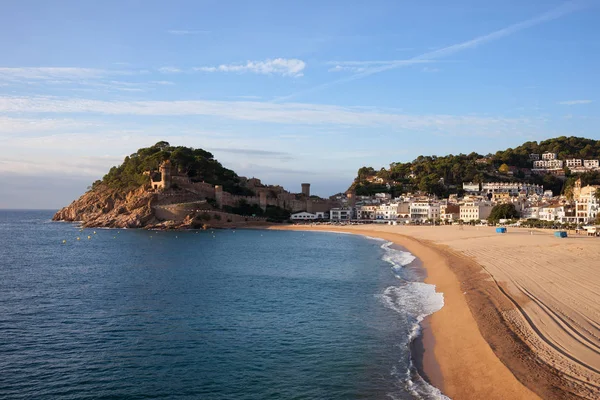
<point>178,212</point>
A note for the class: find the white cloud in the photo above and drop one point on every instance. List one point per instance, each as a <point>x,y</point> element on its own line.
<point>575,102</point>
<point>278,66</point>
<point>182,32</point>
<point>169,70</point>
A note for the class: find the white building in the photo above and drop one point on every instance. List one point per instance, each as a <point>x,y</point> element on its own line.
<point>587,205</point>
<point>548,164</point>
<point>341,214</point>
<point>549,156</point>
<point>471,187</point>
<point>573,162</point>
<point>421,211</point>
<point>554,212</point>
<point>383,196</point>
<point>386,212</point>
<point>322,214</point>
<point>303,216</point>
<point>513,188</point>
<point>531,212</point>
<point>534,156</point>
<point>473,211</point>
<point>591,164</point>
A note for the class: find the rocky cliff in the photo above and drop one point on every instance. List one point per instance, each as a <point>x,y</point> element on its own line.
<point>105,207</point>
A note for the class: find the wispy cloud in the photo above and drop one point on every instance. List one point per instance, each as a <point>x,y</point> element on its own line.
<point>289,113</point>
<point>254,152</point>
<point>169,70</point>
<point>575,102</point>
<point>10,125</point>
<point>278,66</point>
<point>564,9</point>
<point>54,73</point>
<point>364,66</point>
<point>74,78</point>
<point>182,32</point>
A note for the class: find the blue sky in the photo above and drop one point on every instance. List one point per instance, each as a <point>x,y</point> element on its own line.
<point>285,91</point>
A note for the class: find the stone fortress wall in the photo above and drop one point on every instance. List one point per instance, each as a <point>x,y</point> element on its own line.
<point>266,195</point>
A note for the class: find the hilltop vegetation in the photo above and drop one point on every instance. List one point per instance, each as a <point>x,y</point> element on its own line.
<point>199,165</point>
<point>445,175</point>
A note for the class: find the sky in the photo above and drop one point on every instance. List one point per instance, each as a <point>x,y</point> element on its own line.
<point>287,92</point>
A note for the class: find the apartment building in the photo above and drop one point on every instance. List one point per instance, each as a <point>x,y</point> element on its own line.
<point>421,211</point>
<point>473,211</point>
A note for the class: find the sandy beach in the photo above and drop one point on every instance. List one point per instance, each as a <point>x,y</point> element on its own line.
<point>521,318</point>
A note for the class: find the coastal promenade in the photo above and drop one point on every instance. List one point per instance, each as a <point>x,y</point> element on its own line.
<point>522,310</point>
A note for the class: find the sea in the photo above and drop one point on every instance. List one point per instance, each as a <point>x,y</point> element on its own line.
<point>221,314</point>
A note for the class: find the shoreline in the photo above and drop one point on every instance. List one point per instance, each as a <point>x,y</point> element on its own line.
<point>456,358</point>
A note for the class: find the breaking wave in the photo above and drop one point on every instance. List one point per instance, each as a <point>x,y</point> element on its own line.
<point>415,300</point>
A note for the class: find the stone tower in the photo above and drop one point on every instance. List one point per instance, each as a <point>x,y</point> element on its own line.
<point>262,198</point>
<point>165,174</point>
<point>219,195</point>
<point>306,189</point>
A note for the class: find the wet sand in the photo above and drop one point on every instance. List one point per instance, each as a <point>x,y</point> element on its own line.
<point>521,318</point>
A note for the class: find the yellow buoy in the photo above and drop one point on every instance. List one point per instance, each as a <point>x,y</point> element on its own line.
<point>78,239</point>
<point>94,232</point>
<point>64,241</point>
<point>89,237</point>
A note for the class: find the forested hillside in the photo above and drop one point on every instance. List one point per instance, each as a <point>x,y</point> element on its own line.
<point>444,175</point>
<point>199,165</point>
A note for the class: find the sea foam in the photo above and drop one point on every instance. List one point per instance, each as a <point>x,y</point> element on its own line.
<point>416,300</point>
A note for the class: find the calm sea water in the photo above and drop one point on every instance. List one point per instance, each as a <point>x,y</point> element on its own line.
<point>134,314</point>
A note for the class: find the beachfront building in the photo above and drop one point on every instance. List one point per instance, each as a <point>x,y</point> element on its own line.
<point>450,212</point>
<point>531,212</point>
<point>366,212</point>
<point>554,212</point>
<point>549,156</point>
<point>573,162</point>
<point>341,214</point>
<point>303,216</point>
<point>386,212</point>
<point>475,211</point>
<point>421,211</point>
<point>586,203</point>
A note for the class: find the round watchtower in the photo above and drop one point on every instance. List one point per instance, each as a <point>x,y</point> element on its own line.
<point>165,173</point>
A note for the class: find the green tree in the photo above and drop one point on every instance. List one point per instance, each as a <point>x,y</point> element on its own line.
<point>503,211</point>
